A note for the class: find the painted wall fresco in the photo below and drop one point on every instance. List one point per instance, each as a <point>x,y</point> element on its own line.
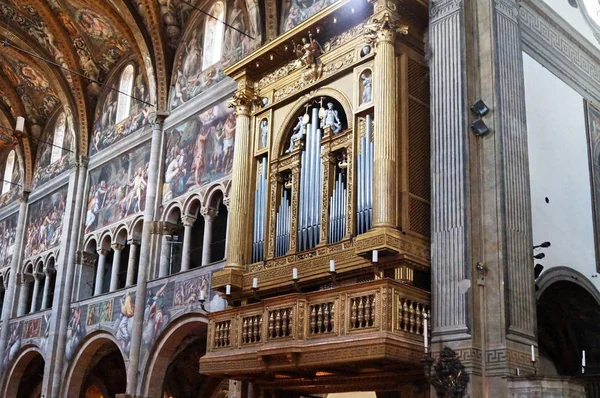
<point>117,189</point>
<point>593,132</point>
<point>106,130</point>
<point>8,231</point>
<point>30,331</point>
<point>296,11</point>
<point>199,151</point>
<point>48,168</point>
<point>44,223</point>
<point>192,74</point>
<point>164,302</point>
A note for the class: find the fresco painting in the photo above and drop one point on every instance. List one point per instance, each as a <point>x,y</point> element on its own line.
<point>199,151</point>
<point>32,328</point>
<point>295,12</point>
<point>593,132</point>
<point>75,331</point>
<point>8,230</point>
<point>117,189</point>
<point>44,223</point>
<point>194,70</point>
<point>99,312</point>
<point>47,165</point>
<point>106,130</point>
<point>188,291</point>
<point>13,345</point>
<point>156,314</point>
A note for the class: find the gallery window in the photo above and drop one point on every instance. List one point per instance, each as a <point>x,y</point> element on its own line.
<point>126,89</point>
<point>214,31</point>
<point>59,138</point>
<point>8,172</point>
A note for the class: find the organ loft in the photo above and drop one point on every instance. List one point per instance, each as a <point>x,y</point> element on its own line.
<point>328,269</point>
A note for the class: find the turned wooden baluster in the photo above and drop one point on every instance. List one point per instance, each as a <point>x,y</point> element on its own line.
<point>320,319</point>
<point>271,324</point>
<point>418,315</point>
<point>332,313</point>
<point>361,312</point>
<point>411,312</point>
<point>368,305</point>
<point>313,319</point>
<point>227,330</point>
<point>405,315</point>
<point>259,328</point>
<point>277,323</point>
<point>354,313</point>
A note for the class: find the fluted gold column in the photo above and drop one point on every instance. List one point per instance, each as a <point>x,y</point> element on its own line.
<point>381,31</point>
<point>241,198</point>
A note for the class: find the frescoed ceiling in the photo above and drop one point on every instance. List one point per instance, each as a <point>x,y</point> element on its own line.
<point>58,54</point>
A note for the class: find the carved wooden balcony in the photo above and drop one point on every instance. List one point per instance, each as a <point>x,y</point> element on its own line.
<point>371,325</point>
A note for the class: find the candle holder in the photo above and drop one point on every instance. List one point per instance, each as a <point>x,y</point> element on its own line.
<point>447,375</point>
<point>332,275</point>
<point>202,301</point>
<point>296,286</point>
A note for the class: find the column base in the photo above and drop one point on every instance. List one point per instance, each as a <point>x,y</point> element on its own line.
<point>391,241</point>
<point>228,276</point>
<point>546,386</point>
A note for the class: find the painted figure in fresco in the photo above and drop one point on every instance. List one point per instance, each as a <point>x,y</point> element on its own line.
<point>298,133</point>
<point>13,345</point>
<point>331,119</point>
<point>188,292</point>
<point>234,40</point>
<point>45,224</point>
<point>367,88</point>
<point>124,324</point>
<point>94,25</point>
<point>36,80</point>
<point>75,332</point>
<point>138,185</point>
<point>156,315</point>
<point>199,161</point>
<point>296,11</point>
<point>217,155</point>
<point>264,133</point>
<point>228,142</point>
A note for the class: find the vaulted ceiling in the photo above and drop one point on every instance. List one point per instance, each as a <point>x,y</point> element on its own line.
<point>56,54</point>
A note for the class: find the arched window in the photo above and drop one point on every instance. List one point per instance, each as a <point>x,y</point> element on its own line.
<point>8,172</point>
<point>214,30</point>
<point>59,138</point>
<point>125,88</point>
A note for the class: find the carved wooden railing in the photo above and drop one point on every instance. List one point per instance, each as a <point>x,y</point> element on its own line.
<point>298,320</point>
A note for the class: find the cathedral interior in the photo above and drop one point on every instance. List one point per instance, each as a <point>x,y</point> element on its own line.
<point>299,198</point>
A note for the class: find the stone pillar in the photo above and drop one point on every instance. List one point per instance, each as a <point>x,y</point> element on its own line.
<point>381,31</point>
<point>209,215</point>
<point>132,263</point>
<point>145,248</point>
<point>116,265</point>
<point>226,203</point>
<point>483,217</point>
<point>47,279</point>
<point>36,290</point>
<point>165,257</point>
<point>9,295</point>
<point>65,271</point>
<point>100,271</point>
<point>23,295</point>
<point>240,194</point>
<point>188,223</point>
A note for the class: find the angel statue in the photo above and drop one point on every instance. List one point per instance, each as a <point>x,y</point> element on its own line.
<point>298,133</point>
<point>308,51</point>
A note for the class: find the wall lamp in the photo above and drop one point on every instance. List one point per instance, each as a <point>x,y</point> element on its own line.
<point>478,127</point>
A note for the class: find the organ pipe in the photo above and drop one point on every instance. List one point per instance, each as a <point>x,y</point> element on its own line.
<point>364,211</point>
<point>260,202</point>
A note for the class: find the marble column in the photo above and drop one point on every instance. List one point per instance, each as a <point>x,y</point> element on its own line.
<point>226,203</point>
<point>36,290</point>
<point>209,215</point>
<point>238,250</point>
<point>132,263</point>
<point>381,31</point>
<point>9,295</point>
<point>188,223</point>
<point>47,279</point>
<point>100,271</point>
<point>145,249</point>
<point>65,271</point>
<point>116,266</point>
<point>165,256</point>
<point>24,291</point>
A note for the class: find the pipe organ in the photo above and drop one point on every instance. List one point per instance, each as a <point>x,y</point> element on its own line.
<point>323,188</point>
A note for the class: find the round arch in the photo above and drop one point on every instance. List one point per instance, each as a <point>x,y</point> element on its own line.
<point>192,205</point>
<point>165,349</point>
<point>23,369</point>
<point>212,194</point>
<point>170,213</point>
<point>95,344</point>
<point>567,274</point>
<point>281,135</point>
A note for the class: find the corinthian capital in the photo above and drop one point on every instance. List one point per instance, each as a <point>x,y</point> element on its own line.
<point>243,100</point>
<point>383,27</point>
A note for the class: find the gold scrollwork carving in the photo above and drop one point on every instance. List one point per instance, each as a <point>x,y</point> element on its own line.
<point>383,28</point>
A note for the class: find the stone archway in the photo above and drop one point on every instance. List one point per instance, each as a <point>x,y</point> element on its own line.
<point>98,369</point>
<point>24,380</point>
<point>172,368</point>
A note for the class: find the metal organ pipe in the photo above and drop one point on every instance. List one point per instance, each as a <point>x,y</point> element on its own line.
<point>260,201</point>
<point>282,233</point>
<point>364,209</point>
<point>338,208</point>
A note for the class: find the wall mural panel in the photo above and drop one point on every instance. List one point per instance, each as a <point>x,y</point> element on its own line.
<point>190,77</point>
<point>118,189</point>
<point>199,151</point>
<point>106,130</point>
<point>8,230</point>
<point>296,11</point>
<point>33,331</point>
<point>593,133</point>
<point>47,169</point>
<point>164,302</point>
<point>44,223</point>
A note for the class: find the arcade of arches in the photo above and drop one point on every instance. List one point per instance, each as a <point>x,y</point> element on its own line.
<point>288,198</point>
